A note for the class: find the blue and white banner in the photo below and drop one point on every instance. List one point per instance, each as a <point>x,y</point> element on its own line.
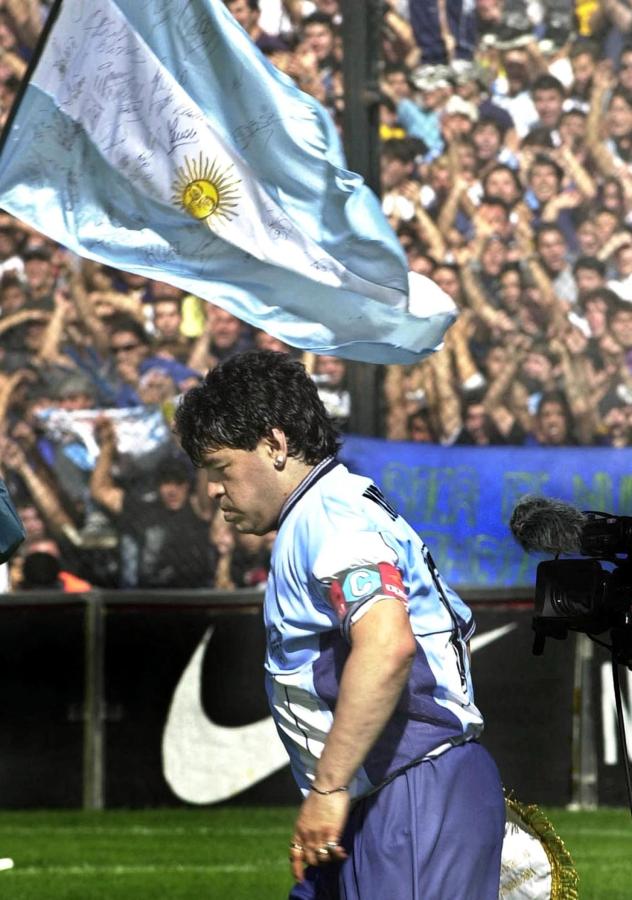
<point>153,136</point>
<point>139,430</point>
<point>460,499</point>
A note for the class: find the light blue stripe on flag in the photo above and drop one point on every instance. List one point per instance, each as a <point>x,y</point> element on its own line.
<point>154,137</point>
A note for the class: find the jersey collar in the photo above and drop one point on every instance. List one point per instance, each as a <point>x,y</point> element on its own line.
<point>327,464</point>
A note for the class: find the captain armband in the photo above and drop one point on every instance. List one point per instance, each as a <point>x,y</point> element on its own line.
<point>354,591</point>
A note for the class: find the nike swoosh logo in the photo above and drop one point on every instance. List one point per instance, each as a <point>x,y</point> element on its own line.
<point>204,762</point>
<point>482,640</point>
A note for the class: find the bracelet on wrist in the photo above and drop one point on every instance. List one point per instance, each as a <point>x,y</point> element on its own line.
<point>338,790</point>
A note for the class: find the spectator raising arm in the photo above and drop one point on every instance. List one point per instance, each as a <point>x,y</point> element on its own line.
<point>25,17</point>
<point>45,499</point>
<point>102,486</point>
<point>8,386</point>
<point>618,12</point>
<point>49,352</point>
<point>582,401</point>
<point>85,305</point>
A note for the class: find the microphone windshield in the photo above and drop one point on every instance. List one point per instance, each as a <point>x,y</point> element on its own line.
<point>542,525</point>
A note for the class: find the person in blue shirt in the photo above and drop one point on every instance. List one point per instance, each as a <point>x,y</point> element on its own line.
<point>367,666</point>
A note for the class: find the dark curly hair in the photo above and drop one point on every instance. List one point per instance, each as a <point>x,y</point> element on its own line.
<point>243,399</point>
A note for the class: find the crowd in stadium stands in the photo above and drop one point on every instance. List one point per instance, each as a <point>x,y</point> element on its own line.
<point>507,175</point>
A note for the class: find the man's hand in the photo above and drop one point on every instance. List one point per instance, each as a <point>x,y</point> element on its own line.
<point>104,432</point>
<point>318,830</point>
<point>377,668</point>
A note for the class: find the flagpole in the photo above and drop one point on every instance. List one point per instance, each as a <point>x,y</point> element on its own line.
<point>361,32</point>
<point>50,21</point>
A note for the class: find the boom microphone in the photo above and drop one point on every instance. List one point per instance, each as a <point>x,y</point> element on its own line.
<point>541,525</point>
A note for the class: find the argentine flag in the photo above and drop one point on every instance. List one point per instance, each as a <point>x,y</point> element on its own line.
<point>151,135</point>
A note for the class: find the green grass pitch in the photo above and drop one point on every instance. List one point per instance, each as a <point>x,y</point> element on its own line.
<point>228,854</point>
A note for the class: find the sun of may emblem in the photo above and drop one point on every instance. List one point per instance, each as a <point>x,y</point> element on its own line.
<point>204,189</point>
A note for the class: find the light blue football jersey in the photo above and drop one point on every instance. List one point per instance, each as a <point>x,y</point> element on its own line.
<point>341,548</point>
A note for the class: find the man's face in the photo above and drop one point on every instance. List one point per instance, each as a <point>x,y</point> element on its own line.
<point>624,261</point>
<point>510,290</point>
<point>7,244</point>
<point>76,401</point>
<point>587,238</point>
<point>496,361</point>
<point>516,65</point>
<point>475,420</point>
<point>544,182</point>
<point>246,485</point>
<point>32,521</point>
<point>173,494</point>
<point>583,67</point>
<point>398,83</point>
<point>332,368</point>
<point>420,431</point>
<point>573,128</point>
<point>501,184</point>
<point>616,421</point>
<point>587,280</point>
<point>596,314</point>
<point>126,348</point>
<point>537,367</point>
<point>552,250</point>
<point>12,299</point>
<point>240,11</point>
<point>494,257</point>
<point>393,172</point>
<point>487,141</point>
<point>447,280</point>
<point>548,103</point>
<point>495,217</point>
<point>605,225</point>
<point>619,118</point>
<point>621,328</point>
<point>38,273</point>
<point>226,328</point>
<point>319,39</point>
<point>433,97</point>
<point>167,318</point>
<point>552,423</point>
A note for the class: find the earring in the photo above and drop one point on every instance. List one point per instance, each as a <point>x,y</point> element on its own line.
<point>278,462</point>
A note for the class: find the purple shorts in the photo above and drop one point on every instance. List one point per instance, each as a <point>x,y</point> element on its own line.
<point>433,833</point>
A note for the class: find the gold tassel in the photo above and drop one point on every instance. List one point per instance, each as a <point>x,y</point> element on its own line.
<point>564,877</point>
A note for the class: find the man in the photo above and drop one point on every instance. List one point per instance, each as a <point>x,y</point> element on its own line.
<point>547,199</point>
<point>552,252</point>
<point>167,323</point>
<point>512,94</point>
<point>40,277</point>
<point>330,373</point>
<point>548,96</point>
<point>553,422</point>
<point>589,273</point>
<point>367,668</point>
<point>248,13</point>
<point>583,57</point>
<point>164,540</point>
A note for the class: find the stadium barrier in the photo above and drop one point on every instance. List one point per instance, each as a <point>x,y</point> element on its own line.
<point>135,699</point>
